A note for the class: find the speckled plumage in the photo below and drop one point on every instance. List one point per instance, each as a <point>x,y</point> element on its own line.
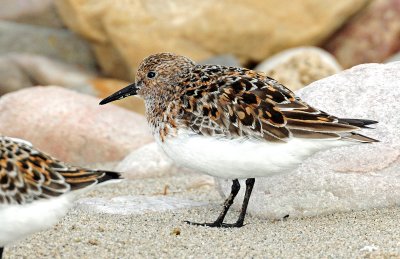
<point>36,190</point>
<point>27,174</point>
<point>232,122</point>
<point>229,102</point>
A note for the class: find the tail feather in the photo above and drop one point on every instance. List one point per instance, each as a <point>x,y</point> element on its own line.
<point>361,123</point>
<point>357,122</point>
<point>360,138</point>
<point>109,175</point>
<point>82,178</point>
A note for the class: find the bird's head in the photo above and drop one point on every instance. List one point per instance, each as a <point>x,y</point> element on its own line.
<point>157,75</point>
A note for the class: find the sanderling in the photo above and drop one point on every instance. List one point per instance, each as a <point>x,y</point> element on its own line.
<point>232,123</point>
<point>36,190</point>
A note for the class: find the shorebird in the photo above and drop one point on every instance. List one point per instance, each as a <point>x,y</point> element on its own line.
<point>232,123</point>
<point>36,190</point>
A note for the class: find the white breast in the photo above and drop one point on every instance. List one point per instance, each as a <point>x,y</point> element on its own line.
<point>18,221</point>
<point>241,158</point>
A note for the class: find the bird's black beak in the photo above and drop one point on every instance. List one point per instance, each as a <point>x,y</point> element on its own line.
<point>121,94</point>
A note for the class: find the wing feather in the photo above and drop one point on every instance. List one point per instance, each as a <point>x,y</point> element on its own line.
<point>27,174</point>
<point>238,102</point>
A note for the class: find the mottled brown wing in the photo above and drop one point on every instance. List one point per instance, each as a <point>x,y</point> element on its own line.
<point>246,103</point>
<point>27,174</point>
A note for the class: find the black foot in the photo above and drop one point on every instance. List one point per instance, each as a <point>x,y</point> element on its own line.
<point>1,252</point>
<point>227,204</point>
<point>216,224</point>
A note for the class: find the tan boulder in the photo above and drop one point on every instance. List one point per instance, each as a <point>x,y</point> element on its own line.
<point>298,67</point>
<point>72,126</point>
<point>124,32</point>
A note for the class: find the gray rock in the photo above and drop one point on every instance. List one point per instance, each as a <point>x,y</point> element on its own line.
<point>223,60</point>
<point>60,44</point>
<point>38,12</point>
<point>12,78</point>
<point>347,178</point>
<point>18,71</point>
<point>128,205</point>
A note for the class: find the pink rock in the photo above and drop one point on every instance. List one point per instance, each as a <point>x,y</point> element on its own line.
<point>72,126</point>
<point>372,36</point>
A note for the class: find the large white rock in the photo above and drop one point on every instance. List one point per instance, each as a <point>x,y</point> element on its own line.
<point>348,178</point>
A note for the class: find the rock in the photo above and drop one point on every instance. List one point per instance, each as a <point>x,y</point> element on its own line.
<point>18,71</point>
<point>372,36</point>
<point>298,67</point>
<point>348,178</point>
<point>38,12</point>
<point>146,162</point>
<point>12,77</point>
<point>124,33</point>
<point>60,44</point>
<point>222,60</point>
<point>72,126</point>
<point>107,86</point>
<point>131,205</point>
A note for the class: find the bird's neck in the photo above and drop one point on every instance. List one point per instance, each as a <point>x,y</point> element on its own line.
<point>160,109</point>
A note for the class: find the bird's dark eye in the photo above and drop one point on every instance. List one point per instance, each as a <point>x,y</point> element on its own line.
<point>151,74</point>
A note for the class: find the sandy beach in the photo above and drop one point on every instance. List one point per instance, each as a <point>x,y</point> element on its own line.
<point>87,234</point>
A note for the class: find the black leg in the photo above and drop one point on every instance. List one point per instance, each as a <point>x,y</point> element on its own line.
<point>227,204</point>
<point>1,252</point>
<point>249,189</point>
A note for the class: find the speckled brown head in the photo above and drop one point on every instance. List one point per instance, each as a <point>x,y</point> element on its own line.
<point>157,75</point>
<point>161,70</point>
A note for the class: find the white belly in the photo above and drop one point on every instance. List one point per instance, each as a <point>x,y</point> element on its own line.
<point>241,158</point>
<point>18,221</point>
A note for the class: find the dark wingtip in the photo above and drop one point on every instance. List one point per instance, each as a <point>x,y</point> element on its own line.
<point>362,138</point>
<point>110,175</point>
<point>358,122</point>
<point>369,122</point>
